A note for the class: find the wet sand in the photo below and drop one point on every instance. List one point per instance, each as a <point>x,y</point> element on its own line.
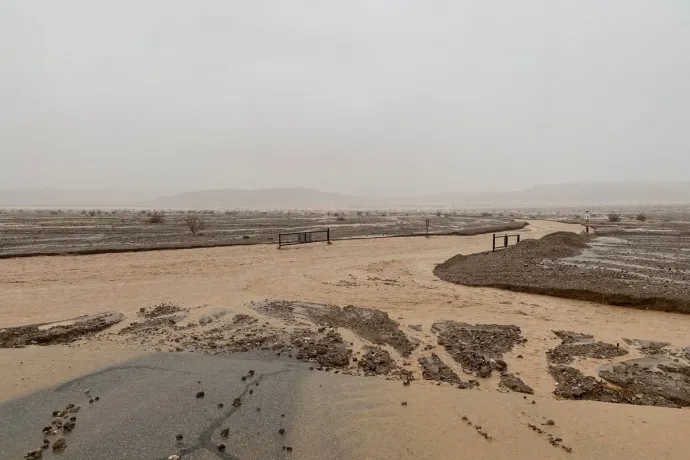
<point>393,275</point>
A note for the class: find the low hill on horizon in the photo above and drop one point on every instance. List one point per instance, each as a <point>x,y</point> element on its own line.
<point>568,194</point>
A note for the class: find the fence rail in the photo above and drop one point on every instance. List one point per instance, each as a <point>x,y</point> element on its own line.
<point>314,236</point>
<point>506,241</point>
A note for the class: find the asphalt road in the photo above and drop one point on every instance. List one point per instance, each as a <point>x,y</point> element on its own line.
<point>146,402</point>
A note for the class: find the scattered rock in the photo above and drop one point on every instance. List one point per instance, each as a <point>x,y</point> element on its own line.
<point>200,394</point>
<point>60,444</point>
<point>516,384</point>
<point>225,432</point>
<point>179,437</point>
<point>237,402</point>
<point>221,447</point>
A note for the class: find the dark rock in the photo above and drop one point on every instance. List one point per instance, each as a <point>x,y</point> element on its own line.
<point>60,444</point>
<point>514,383</point>
<point>237,402</point>
<point>200,394</point>
<point>435,369</point>
<point>225,432</point>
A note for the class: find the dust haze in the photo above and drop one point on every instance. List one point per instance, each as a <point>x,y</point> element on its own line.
<point>364,98</point>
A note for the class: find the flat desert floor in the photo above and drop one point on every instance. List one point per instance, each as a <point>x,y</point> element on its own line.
<point>395,276</point>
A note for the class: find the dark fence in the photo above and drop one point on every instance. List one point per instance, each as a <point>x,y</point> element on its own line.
<point>315,236</point>
<point>505,239</point>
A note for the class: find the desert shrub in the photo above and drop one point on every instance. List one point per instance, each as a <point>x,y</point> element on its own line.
<point>383,214</point>
<point>194,223</point>
<point>487,214</point>
<point>367,213</point>
<point>641,217</point>
<point>92,212</point>
<point>340,218</point>
<point>439,213</point>
<point>54,213</point>
<point>614,217</point>
<point>156,217</point>
<point>359,213</point>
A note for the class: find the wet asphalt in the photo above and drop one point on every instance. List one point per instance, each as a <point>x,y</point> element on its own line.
<point>145,403</point>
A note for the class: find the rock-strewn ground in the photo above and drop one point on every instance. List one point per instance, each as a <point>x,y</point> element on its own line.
<point>642,269</point>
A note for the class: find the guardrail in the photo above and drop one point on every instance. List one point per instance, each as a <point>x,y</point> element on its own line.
<point>290,239</point>
<point>506,241</point>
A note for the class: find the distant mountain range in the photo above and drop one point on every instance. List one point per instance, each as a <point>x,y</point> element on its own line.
<point>581,193</point>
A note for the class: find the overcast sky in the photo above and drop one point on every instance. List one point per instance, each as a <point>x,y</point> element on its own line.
<point>355,96</point>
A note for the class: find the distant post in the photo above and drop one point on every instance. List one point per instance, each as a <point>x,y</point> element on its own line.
<point>427,228</point>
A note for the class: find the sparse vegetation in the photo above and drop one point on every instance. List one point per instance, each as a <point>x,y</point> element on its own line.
<point>641,217</point>
<point>156,217</point>
<point>92,212</point>
<point>439,213</point>
<point>359,213</point>
<point>487,214</point>
<point>194,223</point>
<point>614,217</point>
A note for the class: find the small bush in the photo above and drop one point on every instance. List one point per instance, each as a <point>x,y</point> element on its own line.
<point>641,217</point>
<point>340,218</point>
<point>487,214</point>
<point>439,213</point>
<point>92,212</point>
<point>156,217</point>
<point>194,223</point>
<point>359,213</point>
<point>614,217</point>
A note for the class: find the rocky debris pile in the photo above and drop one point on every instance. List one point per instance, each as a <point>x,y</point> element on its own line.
<point>582,345</point>
<point>373,325</point>
<point>650,347</point>
<point>574,337</point>
<point>478,348</point>
<point>634,385</point>
<point>329,350</point>
<point>433,368</point>
<point>78,328</point>
<point>575,266</point>
<point>150,325</point>
<point>243,320</point>
<point>376,361</point>
<point>161,309</point>
<point>566,353</point>
<point>282,309</point>
<point>515,383</point>
<point>667,386</point>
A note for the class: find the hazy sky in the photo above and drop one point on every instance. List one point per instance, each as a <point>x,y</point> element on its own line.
<point>352,96</point>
